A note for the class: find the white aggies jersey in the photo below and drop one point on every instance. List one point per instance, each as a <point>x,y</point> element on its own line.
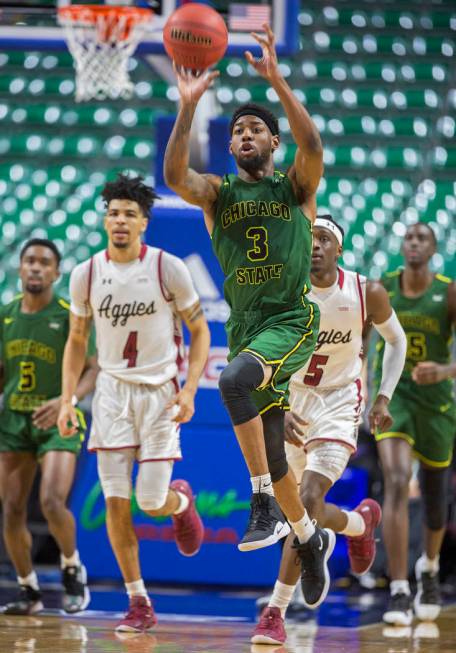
<point>337,358</point>
<point>134,306</point>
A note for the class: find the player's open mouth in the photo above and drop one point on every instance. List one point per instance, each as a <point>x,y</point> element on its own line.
<point>246,148</point>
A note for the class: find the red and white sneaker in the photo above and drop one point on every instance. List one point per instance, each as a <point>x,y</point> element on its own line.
<point>139,618</point>
<point>188,527</point>
<point>270,629</point>
<point>362,548</point>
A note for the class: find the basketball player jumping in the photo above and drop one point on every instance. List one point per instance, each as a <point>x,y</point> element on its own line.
<point>133,292</point>
<point>260,223</point>
<point>326,402</point>
<point>424,425</point>
<point>33,331</point>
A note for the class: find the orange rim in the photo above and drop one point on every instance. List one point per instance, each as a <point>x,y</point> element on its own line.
<point>91,13</point>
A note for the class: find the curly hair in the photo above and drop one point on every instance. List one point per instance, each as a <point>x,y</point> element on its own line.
<point>130,188</point>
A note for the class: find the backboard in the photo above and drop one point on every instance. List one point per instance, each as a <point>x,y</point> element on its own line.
<point>33,25</point>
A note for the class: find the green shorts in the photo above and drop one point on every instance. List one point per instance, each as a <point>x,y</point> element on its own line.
<point>284,341</point>
<point>430,432</point>
<point>17,433</point>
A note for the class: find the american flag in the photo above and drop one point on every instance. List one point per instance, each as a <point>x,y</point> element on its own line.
<point>248,17</point>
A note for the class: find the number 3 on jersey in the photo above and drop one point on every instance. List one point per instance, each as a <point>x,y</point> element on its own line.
<point>260,249</point>
<point>315,371</point>
<point>130,351</point>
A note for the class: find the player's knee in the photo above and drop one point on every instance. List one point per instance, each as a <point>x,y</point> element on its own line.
<point>115,486</point>
<point>52,505</point>
<point>236,382</point>
<point>152,502</point>
<point>13,514</point>
<point>396,483</point>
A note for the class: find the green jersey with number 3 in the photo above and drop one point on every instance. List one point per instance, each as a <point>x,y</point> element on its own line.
<point>428,328</point>
<point>263,242</point>
<point>32,347</point>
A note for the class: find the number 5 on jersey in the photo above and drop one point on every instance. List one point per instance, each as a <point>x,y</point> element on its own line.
<point>315,371</point>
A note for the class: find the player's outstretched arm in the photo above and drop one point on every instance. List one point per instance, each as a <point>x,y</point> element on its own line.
<point>193,187</point>
<point>200,340</point>
<point>385,321</point>
<point>74,362</point>
<point>429,372</point>
<point>307,169</point>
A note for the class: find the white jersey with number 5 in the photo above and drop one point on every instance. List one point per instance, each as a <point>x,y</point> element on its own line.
<point>337,358</point>
<point>134,306</point>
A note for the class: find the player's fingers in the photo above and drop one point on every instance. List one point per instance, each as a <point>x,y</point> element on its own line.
<point>260,40</point>
<point>172,402</point>
<point>250,58</point>
<point>299,419</point>
<point>269,32</point>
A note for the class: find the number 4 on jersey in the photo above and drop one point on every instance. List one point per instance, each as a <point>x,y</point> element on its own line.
<point>130,351</point>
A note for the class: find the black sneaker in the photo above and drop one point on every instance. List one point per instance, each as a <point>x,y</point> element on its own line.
<point>399,610</point>
<point>76,595</point>
<point>266,526</point>
<point>428,601</point>
<point>28,602</point>
<point>314,556</point>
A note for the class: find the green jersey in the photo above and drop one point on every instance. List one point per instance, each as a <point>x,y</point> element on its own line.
<point>428,328</point>
<point>263,242</point>
<point>31,346</point>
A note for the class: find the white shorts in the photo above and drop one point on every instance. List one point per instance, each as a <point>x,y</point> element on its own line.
<point>333,417</point>
<point>134,415</point>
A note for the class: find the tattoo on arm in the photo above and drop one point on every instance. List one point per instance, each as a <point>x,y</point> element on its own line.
<point>79,326</point>
<point>193,313</point>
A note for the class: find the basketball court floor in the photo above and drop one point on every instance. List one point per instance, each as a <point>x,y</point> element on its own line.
<point>198,621</point>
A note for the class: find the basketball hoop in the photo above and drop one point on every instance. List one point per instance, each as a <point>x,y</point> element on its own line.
<point>101,39</point>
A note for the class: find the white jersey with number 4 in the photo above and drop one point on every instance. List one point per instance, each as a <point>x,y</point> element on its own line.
<point>337,358</point>
<point>134,306</point>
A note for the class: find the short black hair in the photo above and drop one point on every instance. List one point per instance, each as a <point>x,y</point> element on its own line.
<point>130,188</point>
<point>431,230</point>
<point>329,217</point>
<point>41,242</point>
<point>252,109</point>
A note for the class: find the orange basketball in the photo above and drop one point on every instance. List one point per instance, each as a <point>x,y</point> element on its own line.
<point>195,36</point>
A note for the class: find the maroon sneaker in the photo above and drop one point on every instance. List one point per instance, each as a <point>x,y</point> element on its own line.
<point>188,527</point>
<point>139,618</point>
<point>270,629</point>
<point>362,548</point>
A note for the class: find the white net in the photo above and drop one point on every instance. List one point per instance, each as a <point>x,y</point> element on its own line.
<point>101,44</point>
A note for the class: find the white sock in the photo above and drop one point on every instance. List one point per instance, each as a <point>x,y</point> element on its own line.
<point>262,484</point>
<point>355,524</point>
<point>400,587</point>
<point>137,588</point>
<point>31,580</point>
<point>281,597</point>
<point>72,561</point>
<point>184,503</point>
<point>431,565</point>
<point>304,528</point>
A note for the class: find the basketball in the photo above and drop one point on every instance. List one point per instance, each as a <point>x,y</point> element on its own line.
<point>195,36</point>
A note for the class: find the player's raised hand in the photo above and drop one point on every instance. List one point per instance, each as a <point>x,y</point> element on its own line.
<point>380,419</point>
<point>45,416</point>
<point>67,420</point>
<point>185,400</point>
<point>428,372</point>
<point>294,429</point>
<point>267,66</point>
<point>192,85</point>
